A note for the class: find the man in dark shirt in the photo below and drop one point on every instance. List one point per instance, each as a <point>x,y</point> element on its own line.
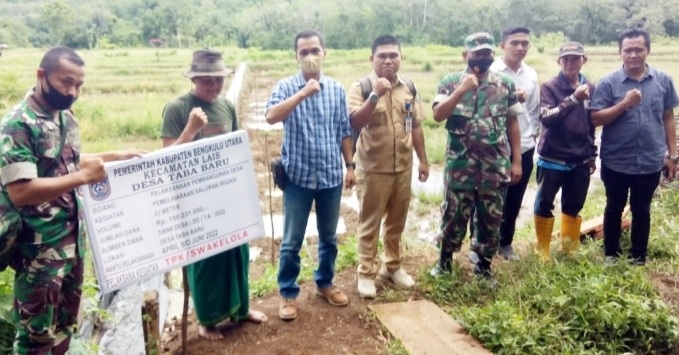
<point>566,150</point>
<point>635,107</point>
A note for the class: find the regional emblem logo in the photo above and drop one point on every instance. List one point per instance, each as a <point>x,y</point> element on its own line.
<point>101,190</point>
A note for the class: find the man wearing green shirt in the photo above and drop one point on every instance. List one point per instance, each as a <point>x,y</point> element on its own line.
<point>218,284</point>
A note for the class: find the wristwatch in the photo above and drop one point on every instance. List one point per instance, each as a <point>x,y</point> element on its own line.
<point>674,158</point>
<point>351,165</point>
<point>373,97</point>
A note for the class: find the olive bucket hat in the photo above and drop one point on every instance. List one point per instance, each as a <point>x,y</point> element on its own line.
<point>207,62</point>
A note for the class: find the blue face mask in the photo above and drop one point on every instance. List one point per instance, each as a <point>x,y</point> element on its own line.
<point>480,65</point>
<point>55,99</point>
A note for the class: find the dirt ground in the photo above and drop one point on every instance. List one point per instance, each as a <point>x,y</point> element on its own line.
<point>319,328</point>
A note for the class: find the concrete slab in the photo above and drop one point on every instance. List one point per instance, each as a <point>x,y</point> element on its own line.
<point>425,329</point>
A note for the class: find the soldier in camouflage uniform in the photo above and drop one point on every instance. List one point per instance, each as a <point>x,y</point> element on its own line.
<point>480,109</point>
<point>40,174</point>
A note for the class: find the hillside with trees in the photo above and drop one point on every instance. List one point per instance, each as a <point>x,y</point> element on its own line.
<point>270,24</point>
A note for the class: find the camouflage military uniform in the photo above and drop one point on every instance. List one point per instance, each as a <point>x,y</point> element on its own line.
<point>49,268</point>
<point>477,161</point>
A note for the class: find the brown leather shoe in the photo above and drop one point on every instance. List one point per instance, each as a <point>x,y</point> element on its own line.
<point>333,295</point>
<point>287,310</point>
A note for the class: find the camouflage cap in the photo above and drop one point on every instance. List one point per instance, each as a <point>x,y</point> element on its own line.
<point>207,62</point>
<point>479,40</point>
<point>571,48</point>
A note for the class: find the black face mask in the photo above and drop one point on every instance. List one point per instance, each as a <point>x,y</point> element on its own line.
<point>480,65</point>
<point>55,99</point>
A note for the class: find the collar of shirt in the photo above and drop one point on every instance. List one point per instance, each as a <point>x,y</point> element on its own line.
<point>622,75</point>
<point>500,65</point>
<point>491,77</point>
<point>565,83</point>
<point>300,82</point>
<point>373,77</point>
<point>38,111</point>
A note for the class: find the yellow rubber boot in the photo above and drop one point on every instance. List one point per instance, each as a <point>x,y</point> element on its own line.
<point>543,231</point>
<point>570,232</point>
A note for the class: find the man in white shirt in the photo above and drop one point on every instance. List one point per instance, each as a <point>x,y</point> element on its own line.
<point>515,44</point>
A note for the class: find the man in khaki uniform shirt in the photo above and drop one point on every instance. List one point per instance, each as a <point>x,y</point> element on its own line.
<point>389,122</point>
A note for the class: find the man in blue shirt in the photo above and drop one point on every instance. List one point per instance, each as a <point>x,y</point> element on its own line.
<point>635,107</point>
<point>317,133</point>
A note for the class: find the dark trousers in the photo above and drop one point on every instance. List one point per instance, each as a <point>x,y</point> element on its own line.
<point>573,184</point>
<point>513,200</point>
<point>640,188</point>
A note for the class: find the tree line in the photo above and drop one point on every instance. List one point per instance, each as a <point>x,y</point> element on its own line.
<point>271,24</point>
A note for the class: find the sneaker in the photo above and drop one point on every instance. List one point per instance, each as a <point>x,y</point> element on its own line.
<point>507,252</point>
<point>333,295</point>
<point>287,310</point>
<point>400,277</point>
<point>366,288</point>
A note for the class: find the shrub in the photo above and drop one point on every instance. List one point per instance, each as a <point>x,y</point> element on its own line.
<point>10,90</point>
<point>573,307</point>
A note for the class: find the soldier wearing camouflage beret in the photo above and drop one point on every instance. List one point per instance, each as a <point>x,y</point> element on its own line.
<point>480,108</point>
<point>41,167</point>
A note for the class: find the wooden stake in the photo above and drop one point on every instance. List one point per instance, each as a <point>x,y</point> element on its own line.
<point>185,312</point>
<point>150,322</point>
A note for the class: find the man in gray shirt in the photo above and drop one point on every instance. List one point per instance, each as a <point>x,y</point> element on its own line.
<point>635,107</point>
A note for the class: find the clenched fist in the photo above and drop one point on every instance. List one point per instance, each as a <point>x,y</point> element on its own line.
<point>469,83</point>
<point>582,92</point>
<point>311,88</point>
<point>521,95</point>
<point>197,119</point>
<point>382,85</point>
<point>92,169</point>
<point>632,98</point>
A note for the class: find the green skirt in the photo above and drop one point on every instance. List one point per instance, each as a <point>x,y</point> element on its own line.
<point>219,286</point>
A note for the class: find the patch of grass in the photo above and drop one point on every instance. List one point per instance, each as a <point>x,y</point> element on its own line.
<point>436,138</point>
<point>347,254</point>
<point>574,305</point>
<point>10,91</point>
<point>81,346</point>
<point>429,199</point>
<point>266,283</point>
<point>571,305</point>
<point>390,295</point>
<point>395,347</point>
<point>455,288</point>
<point>6,294</point>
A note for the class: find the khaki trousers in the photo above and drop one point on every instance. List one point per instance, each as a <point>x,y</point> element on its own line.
<point>381,195</point>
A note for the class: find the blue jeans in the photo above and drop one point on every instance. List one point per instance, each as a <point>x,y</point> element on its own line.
<point>573,185</point>
<point>297,203</point>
